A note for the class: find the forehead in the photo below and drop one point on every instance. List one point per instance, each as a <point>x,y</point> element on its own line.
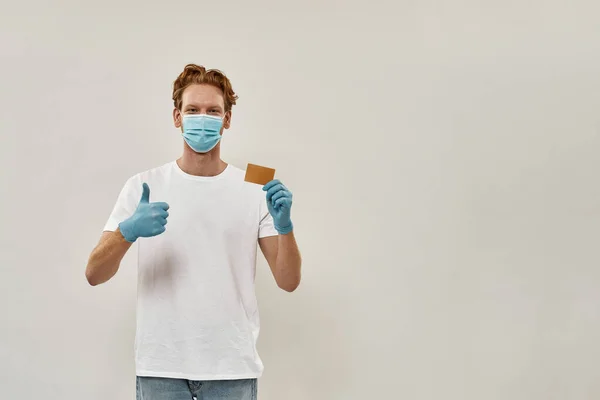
<point>202,96</point>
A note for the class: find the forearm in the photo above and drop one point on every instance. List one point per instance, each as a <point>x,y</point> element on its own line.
<point>105,259</point>
<point>288,263</point>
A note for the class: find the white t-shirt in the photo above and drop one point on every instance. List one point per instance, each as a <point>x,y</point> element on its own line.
<point>197,316</point>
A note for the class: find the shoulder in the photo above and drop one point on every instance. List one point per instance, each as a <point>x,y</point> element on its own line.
<point>235,172</point>
<point>156,173</point>
<point>237,176</point>
<point>150,176</point>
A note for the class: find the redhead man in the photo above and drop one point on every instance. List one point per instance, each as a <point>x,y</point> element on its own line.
<point>198,225</point>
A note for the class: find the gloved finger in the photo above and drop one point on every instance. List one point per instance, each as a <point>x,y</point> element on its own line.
<point>159,230</point>
<point>162,205</point>
<point>279,194</point>
<point>163,221</point>
<point>145,193</point>
<point>283,202</point>
<point>162,213</point>
<point>273,190</point>
<point>270,184</point>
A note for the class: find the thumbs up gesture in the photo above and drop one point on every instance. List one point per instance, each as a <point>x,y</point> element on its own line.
<point>149,219</point>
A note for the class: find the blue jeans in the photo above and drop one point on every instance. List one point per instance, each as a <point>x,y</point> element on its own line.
<point>181,389</point>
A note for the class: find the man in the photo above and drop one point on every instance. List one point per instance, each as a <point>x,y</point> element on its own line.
<point>197,317</point>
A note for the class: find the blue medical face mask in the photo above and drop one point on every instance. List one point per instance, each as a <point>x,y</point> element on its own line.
<point>202,132</point>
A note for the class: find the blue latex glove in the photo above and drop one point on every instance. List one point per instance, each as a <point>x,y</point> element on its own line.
<point>279,202</point>
<point>149,219</point>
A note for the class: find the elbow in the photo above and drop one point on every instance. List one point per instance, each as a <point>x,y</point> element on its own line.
<point>91,279</point>
<point>289,286</point>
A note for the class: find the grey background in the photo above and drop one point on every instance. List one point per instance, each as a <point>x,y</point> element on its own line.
<point>443,158</point>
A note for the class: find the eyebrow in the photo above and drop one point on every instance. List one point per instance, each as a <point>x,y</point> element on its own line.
<point>209,107</point>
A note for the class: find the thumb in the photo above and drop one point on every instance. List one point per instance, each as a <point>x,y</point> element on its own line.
<point>145,194</point>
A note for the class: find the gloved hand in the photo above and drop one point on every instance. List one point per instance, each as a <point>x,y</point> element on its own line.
<point>149,219</point>
<point>279,203</point>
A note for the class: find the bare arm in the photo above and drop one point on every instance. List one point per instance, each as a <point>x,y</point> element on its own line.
<point>283,256</point>
<point>105,259</point>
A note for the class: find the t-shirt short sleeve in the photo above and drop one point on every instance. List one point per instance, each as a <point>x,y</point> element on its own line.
<point>266,227</point>
<point>126,204</point>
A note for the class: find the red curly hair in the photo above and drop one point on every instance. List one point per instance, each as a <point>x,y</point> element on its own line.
<point>196,75</point>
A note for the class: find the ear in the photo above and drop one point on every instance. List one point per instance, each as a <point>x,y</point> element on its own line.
<point>177,118</point>
<point>227,120</point>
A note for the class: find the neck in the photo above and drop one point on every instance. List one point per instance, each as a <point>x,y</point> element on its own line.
<point>208,164</point>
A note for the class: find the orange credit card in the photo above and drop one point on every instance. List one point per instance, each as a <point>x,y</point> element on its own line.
<point>259,175</point>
